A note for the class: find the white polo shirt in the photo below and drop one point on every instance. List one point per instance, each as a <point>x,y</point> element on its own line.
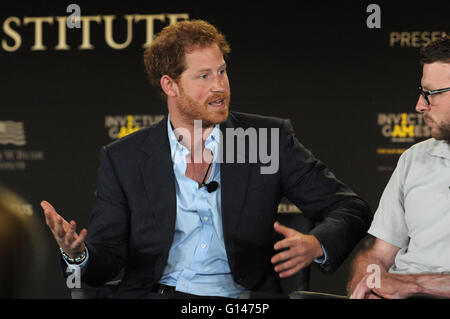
<point>414,210</point>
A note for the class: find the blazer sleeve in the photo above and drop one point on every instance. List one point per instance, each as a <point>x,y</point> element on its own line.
<point>342,218</point>
<point>108,236</point>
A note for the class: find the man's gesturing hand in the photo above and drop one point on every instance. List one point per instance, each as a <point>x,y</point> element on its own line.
<point>300,251</point>
<point>64,232</point>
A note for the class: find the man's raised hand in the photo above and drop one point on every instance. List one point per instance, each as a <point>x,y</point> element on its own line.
<point>64,232</point>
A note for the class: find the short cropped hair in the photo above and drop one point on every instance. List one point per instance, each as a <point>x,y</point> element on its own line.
<point>166,54</point>
<point>436,51</point>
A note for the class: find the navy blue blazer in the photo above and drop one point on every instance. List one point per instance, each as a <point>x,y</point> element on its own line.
<point>133,219</point>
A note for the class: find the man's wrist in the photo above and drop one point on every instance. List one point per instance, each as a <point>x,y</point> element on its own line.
<point>320,255</point>
<point>76,260</point>
<point>323,258</point>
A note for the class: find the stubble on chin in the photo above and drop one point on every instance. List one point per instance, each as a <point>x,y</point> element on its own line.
<point>192,111</point>
<point>439,132</point>
<point>443,134</point>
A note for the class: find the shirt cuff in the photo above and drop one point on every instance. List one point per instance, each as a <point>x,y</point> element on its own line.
<point>82,266</point>
<point>323,259</point>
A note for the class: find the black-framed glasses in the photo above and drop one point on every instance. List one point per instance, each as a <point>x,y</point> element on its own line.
<point>425,94</point>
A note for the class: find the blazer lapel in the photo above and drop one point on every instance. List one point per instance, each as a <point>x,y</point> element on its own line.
<point>158,177</point>
<point>234,181</point>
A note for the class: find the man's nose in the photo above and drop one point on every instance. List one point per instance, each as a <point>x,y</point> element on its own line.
<point>422,105</point>
<point>219,84</point>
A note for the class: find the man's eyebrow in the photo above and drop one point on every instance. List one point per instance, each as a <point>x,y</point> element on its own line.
<point>210,70</point>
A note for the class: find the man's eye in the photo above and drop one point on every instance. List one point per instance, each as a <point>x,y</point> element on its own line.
<point>204,76</point>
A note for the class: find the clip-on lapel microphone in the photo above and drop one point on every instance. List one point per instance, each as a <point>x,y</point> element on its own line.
<point>212,186</point>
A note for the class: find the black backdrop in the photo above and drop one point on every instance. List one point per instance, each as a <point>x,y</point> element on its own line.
<point>350,92</point>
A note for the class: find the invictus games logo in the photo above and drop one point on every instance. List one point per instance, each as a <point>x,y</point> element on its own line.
<point>122,125</point>
<point>401,128</point>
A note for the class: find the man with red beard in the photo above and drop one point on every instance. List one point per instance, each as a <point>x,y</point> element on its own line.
<point>183,223</point>
<point>408,255</point>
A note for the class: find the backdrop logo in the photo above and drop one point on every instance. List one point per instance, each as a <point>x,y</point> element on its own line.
<point>22,209</point>
<point>15,157</point>
<point>415,39</point>
<point>401,128</point>
<point>288,207</point>
<point>122,125</point>
<point>51,27</point>
<point>12,133</point>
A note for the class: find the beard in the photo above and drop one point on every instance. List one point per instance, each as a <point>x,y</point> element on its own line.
<point>191,110</point>
<point>443,133</point>
<point>439,131</point>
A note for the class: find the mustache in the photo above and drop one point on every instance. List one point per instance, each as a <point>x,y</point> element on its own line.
<point>215,97</point>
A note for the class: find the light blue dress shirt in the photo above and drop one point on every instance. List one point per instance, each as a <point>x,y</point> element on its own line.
<point>198,262</point>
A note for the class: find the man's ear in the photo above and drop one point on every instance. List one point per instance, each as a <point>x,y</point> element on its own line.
<point>169,86</point>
